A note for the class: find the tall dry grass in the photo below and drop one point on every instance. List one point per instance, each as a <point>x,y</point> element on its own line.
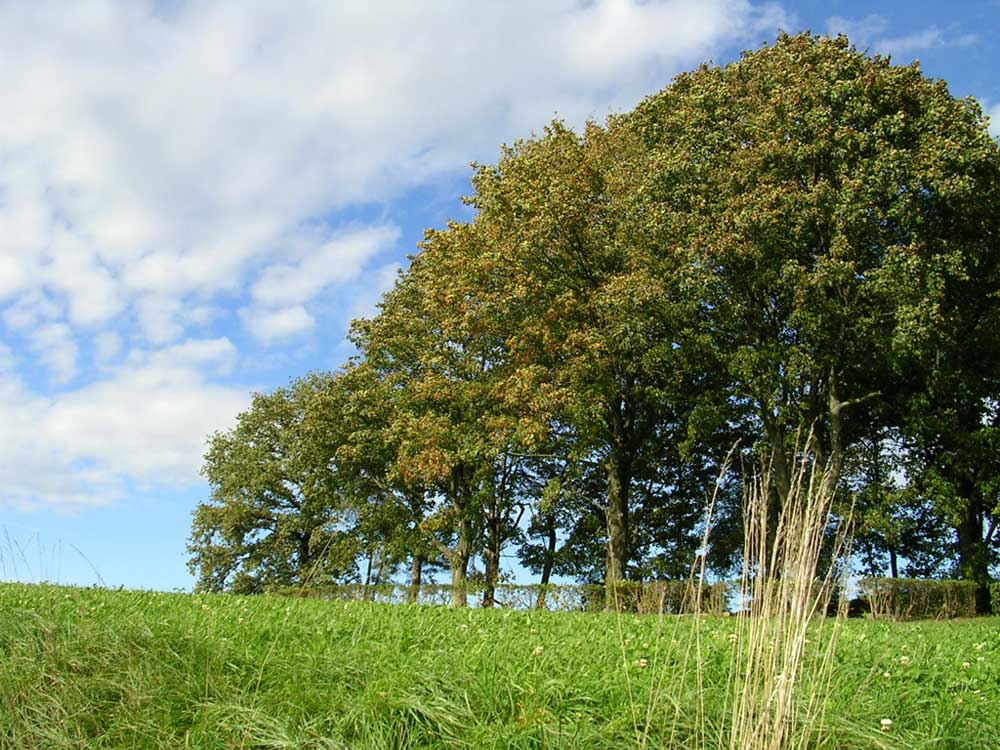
<point>784,642</point>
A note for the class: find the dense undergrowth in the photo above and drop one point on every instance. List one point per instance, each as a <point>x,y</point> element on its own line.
<point>90,668</point>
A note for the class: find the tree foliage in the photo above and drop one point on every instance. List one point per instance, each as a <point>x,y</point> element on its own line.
<point>805,240</point>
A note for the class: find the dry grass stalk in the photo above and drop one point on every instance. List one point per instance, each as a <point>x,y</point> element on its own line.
<point>783,651</point>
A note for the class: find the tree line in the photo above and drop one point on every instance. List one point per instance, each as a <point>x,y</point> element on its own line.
<point>804,241</point>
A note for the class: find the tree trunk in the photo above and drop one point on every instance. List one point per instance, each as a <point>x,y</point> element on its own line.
<point>368,574</point>
<point>416,572</point>
<point>835,463</point>
<point>491,559</point>
<point>548,562</point>
<point>781,475</point>
<point>619,478</point>
<point>379,571</point>
<point>305,557</point>
<point>459,563</point>
<point>459,557</point>
<point>972,559</point>
<point>893,563</point>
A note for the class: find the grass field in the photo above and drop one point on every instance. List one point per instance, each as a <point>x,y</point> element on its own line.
<point>90,668</point>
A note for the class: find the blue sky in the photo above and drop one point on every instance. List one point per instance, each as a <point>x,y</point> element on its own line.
<point>196,198</point>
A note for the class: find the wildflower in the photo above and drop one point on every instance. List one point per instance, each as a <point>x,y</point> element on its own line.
<point>966,665</point>
<point>904,660</point>
<point>538,651</point>
<point>642,663</point>
<point>463,627</point>
<point>886,724</point>
<point>886,675</point>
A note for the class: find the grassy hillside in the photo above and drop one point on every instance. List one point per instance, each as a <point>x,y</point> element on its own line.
<point>86,668</point>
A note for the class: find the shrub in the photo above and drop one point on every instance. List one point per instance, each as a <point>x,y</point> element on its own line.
<point>916,599</point>
<point>649,597</point>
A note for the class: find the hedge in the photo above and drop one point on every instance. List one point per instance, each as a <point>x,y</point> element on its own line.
<point>652,597</point>
<point>916,599</point>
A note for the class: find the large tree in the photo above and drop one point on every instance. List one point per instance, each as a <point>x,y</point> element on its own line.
<point>451,430</point>
<point>598,333</point>
<point>277,514</point>
<point>830,205</point>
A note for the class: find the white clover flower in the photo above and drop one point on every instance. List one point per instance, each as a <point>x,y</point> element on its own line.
<point>966,665</point>
<point>886,675</point>
<point>904,660</point>
<point>642,663</point>
<point>886,724</point>
<point>538,651</point>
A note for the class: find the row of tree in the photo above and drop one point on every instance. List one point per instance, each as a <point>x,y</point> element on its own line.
<point>806,240</point>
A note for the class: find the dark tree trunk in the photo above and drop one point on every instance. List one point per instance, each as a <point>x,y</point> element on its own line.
<point>460,565</point>
<point>368,574</point>
<point>548,562</point>
<point>379,571</point>
<point>781,475</point>
<point>893,563</point>
<point>491,560</point>
<point>619,479</point>
<point>305,557</point>
<point>835,463</point>
<point>459,557</point>
<point>416,572</point>
<point>973,563</point>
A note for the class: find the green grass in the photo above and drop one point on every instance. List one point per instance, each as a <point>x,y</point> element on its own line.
<point>89,668</point>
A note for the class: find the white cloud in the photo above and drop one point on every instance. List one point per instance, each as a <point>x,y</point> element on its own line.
<point>336,261</point>
<point>994,115</point>
<point>365,300</point>
<point>8,360</point>
<point>147,422</point>
<point>170,152</point>
<point>177,169</point>
<point>107,346</point>
<point>908,44</point>
<point>858,29</point>
<point>271,326</point>
<point>54,345</point>
<point>870,32</point>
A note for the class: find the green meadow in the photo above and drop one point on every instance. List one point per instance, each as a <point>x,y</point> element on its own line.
<point>92,668</point>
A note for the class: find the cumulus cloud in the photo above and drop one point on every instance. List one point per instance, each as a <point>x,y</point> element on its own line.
<point>54,345</point>
<point>167,152</point>
<point>271,326</point>
<point>172,171</point>
<point>338,260</point>
<point>146,423</point>
<point>871,31</point>
<point>994,115</point>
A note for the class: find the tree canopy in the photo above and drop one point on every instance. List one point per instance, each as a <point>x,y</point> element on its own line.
<point>805,240</point>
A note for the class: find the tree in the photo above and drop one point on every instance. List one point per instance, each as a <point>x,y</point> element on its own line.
<point>596,331</point>
<point>829,205</point>
<point>450,431</point>
<point>277,515</point>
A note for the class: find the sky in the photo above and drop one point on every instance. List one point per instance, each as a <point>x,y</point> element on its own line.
<point>197,198</point>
